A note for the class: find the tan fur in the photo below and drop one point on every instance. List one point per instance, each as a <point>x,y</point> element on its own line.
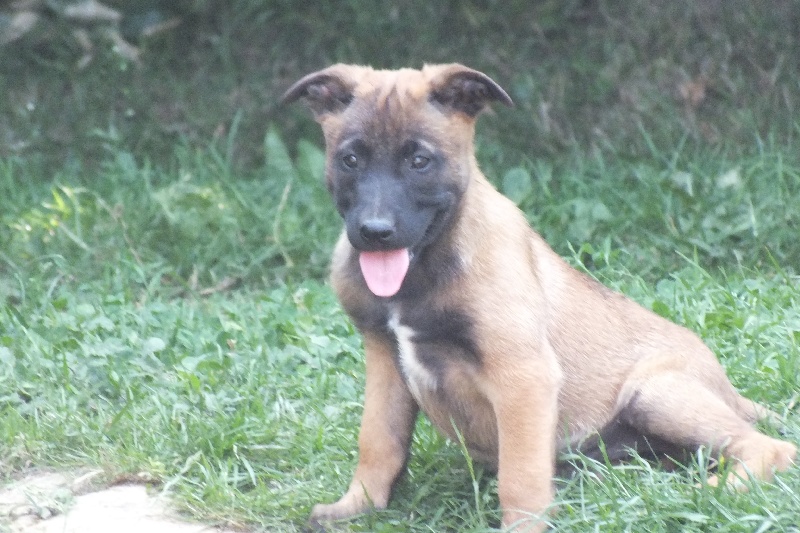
<point>561,355</point>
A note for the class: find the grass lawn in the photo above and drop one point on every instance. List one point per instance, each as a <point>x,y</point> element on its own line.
<point>164,313</point>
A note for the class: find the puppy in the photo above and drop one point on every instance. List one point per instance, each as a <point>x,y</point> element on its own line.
<point>467,314</point>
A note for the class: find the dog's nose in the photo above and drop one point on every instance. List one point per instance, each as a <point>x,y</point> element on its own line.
<point>376,230</point>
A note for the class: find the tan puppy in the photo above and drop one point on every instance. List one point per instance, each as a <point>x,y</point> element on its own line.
<point>468,315</point>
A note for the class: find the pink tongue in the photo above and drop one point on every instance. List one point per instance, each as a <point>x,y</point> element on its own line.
<point>384,271</point>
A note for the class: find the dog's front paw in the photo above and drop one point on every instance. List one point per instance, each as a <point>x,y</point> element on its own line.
<point>521,522</point>
<point>350,505</point>
<point>326,512</point>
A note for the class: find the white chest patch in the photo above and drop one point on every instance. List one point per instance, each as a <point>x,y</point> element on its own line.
<point>419,379</point>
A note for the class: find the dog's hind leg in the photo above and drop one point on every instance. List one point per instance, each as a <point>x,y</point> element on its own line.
<point>678,407</point>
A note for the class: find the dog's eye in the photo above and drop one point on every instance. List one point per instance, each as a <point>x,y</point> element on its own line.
<point>350,161</point>
<point>419,162</point>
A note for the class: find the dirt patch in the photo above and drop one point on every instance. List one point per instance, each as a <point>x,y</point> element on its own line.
<point>64,503</point>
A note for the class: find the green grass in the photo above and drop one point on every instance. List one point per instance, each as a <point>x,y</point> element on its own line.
<point>247,404</point>
<point>165,236</point>
<point>123,345</point>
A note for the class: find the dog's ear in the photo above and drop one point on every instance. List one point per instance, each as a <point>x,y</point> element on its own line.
<point>326,91</point>
<point>462,89</point>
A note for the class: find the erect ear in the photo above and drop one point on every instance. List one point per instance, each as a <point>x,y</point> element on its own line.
<point>462,89</point>
<point>326,91</point>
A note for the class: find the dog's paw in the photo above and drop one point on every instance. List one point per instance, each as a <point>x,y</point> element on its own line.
<point>787,454</point>
<point>758,457</point>
<point>323,516</point>
<point>521,522</point>
<point>325,512</point>
<point>352,504</point>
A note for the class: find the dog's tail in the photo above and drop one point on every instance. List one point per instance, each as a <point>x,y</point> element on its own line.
<point>754,412</point>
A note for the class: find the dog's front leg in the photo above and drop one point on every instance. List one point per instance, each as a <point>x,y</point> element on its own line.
<point>525,400</point>
<point>384,440</point>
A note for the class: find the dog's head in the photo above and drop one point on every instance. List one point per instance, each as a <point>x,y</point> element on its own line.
<point>399,149</point>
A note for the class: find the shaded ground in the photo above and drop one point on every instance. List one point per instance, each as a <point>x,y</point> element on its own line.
<point>73,503</point>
